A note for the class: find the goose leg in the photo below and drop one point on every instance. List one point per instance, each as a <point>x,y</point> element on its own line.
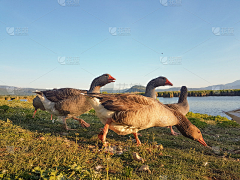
<point>34,112</point>
<point>173,132</point>
<point>65,123</point>
<point>51,116</point>
<point>136,137</point>
<point>83,123</point>
<point>102,135</point>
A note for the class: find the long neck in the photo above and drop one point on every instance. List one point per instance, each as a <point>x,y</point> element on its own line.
<point>150,91</point>
<point>183,97</point>
<point>94,88</point>
<point>183,124</point>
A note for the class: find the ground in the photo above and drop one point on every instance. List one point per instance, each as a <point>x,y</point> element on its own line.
<point>40,149</point>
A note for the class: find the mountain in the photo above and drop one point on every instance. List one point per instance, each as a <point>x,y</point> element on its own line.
<point>17,91</point>
<point>136,88</point>
<point>12,90</point>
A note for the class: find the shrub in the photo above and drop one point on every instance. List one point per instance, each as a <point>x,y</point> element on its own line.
<point>198,123</point>
<point>4,108</point>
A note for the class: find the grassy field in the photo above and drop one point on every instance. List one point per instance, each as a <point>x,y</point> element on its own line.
<point>40,149</point>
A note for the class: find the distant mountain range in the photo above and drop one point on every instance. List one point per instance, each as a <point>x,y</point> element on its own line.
<point>11,90</point>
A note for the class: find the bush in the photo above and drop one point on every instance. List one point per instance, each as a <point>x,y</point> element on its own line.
<point>4,108</point>
<point>198,123</point>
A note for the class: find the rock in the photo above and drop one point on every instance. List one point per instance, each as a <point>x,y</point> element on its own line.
<point>145,168</point>
<point>99,167</point>
<point>237,151</point>
<point>158,146</point>
<point>137,157</point>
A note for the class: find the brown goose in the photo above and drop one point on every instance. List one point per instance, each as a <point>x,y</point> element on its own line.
<point>182,106</point>
<point>37,103</point>
<point>69,103</point>
<point>128,113</point>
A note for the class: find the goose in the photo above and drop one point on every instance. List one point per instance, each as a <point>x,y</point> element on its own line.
<point>68,102</point>
<point>130,113</point>
<point>37,104</point>
<point>182,106</point>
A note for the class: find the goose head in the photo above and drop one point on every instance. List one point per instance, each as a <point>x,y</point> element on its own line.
<point>193,133</point>
<point>100,81</point>
<point>184,91</point>
<point>159,81</point>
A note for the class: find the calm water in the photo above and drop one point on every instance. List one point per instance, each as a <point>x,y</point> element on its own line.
<point>212,105</point>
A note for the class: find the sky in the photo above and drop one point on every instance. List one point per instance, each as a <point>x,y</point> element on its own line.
<point>67,43</point>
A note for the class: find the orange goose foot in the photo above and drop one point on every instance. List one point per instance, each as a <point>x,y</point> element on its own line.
<point>136,137</point>
<point>102,135</point>
<point>173,132</point>
<point>34,113</point>
<point>82,122</point>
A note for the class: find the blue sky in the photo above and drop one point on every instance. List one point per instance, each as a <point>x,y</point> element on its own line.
<point>53,44</point>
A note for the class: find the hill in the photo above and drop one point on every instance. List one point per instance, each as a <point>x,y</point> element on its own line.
<point>136,88</point>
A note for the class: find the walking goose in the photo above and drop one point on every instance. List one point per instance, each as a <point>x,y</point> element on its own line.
<point>69,103</point>
<point>37,104</point>
<point>129,113</point>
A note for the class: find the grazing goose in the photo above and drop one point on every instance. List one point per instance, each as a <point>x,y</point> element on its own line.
<point>128,113</point>
<point>182,106</point>
<point>69,103</point>
<point>37,103</point>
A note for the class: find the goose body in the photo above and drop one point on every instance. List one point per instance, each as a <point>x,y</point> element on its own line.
<point>128,113</point>
<point>69,103</point>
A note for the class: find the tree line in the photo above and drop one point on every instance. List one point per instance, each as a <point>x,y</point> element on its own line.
<point>227,92</point>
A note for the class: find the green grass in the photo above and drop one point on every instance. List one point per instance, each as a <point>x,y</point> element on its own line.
<point>39,149</point>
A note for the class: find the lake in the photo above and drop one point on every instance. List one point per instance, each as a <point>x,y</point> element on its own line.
<point>212,105</point>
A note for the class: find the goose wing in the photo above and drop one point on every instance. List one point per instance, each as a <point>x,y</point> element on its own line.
<point>76,105</point>
<point>56,95</point>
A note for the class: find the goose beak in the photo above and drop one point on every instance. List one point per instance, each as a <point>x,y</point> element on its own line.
<point>111,79</point>
<point>38,93</point>
<point>168,83</point>
<point>202,141</point>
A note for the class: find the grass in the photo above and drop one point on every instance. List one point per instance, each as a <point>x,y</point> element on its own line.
<point>39,149</point>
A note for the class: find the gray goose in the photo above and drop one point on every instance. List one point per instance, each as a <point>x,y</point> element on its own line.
<point>37,104</point>
<point>150,91</point>
<point>182,106</point>
<point>68,103</point>
<point>129,113</point>
<point>159,81</point>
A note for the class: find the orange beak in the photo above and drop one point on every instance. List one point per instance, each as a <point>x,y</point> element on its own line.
<point>202,141</point>
<point>168,83</point>
<point>111,79</point>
